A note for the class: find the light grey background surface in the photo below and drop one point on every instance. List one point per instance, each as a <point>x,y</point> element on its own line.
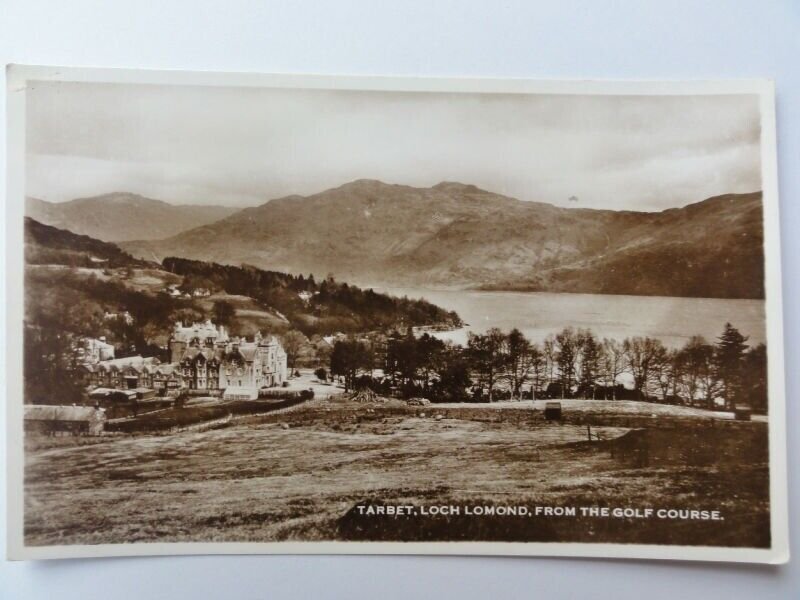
<point>506,38</point>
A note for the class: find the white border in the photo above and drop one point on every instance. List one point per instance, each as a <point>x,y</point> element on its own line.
<point>17,80</point>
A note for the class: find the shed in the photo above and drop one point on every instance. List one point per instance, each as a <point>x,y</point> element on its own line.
<point>552,411</point>
<point>67,420</point>
<point>143,393</point>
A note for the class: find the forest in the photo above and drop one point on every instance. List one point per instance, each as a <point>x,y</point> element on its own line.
<point>572,363</point>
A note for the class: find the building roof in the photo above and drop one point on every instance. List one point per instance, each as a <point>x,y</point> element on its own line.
<point>104,392</point>
<point>207,353</point>
<point>40,412</point>
<point>133,362</point>
<point>248,352</point>
<point>167,369</point>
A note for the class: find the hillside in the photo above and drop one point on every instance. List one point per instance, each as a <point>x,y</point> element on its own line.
<point>458,235</point>
<point>46,245</point>
<point>121,216</point>
<point>325,307</point>
<point>73,280</point>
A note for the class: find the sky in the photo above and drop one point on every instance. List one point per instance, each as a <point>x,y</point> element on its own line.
<point>245,146</point>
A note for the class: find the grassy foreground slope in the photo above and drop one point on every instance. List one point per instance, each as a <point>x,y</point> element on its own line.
<point>300,476</point>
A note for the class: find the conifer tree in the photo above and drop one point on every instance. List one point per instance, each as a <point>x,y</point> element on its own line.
<point>729,354</point>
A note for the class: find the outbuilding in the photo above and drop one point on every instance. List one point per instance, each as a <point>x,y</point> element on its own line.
<point>143,393</point>
<point>64,420</point>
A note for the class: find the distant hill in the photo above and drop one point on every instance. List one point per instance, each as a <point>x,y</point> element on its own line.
<point>459,235</point>
<point>46,245</point>
<point>121,216</point>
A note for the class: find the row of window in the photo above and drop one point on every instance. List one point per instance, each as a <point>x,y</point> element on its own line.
<point>213,373</point>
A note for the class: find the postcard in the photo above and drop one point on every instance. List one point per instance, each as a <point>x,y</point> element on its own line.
<point>373,315</point>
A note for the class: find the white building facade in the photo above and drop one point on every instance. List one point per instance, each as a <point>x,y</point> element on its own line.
<point>210,359</point>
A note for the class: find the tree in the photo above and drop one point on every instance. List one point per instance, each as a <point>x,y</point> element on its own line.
<point>223,312</point>
<point>589,361</point>
<point>612,363</point>
<point>521,356</point>
<point>453,376</point>
<point>402,359</point>
<point>429,355</point>
<point>754,378</point>
<point>728,360</point>
<point>347,359</point>
<point>549,355</point>
<point>293,343</point>
<point>666,371</point>
<point>641,356</point>
<point>692,358</point>
<point>50,367</point>
<point>567,348</point>
<point>709,384</point>
<point>487,357</point>
<point>537,369</point>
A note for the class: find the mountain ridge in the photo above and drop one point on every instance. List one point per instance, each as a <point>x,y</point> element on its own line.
<point>459,235</point>
<point>121,216</point>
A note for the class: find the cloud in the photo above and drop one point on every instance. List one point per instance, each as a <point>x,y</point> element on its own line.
<point>246,146</point>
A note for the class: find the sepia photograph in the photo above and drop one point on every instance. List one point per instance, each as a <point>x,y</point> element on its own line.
<point>334,315</point>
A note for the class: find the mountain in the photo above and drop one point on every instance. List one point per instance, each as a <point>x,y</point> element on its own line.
<point>121,216</point>
<point>459,235</point>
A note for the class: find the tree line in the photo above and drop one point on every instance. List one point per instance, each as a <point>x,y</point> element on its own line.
<point>573,363</point>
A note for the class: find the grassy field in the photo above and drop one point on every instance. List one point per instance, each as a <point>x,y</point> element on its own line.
<point>301,474</point>
<point>250,315</point>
